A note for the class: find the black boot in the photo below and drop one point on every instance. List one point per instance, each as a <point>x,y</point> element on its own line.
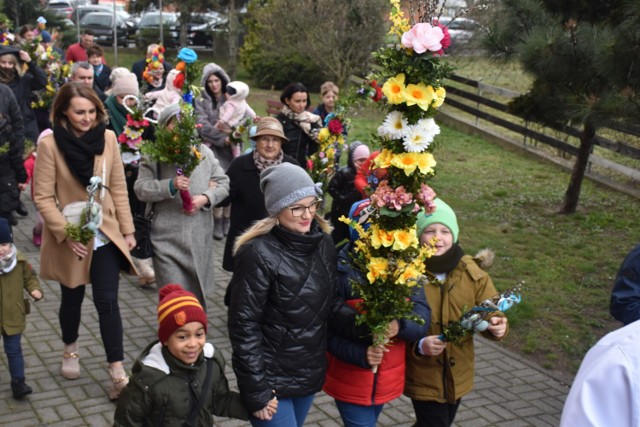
<point>22,209</point>
<point>19,388</point>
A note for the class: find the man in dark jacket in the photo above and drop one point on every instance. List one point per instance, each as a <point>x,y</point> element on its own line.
<point>625,298</point>
<point>13,176</point>
<point>83,72</point>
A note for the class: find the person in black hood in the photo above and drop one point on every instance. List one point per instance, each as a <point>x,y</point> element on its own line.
<point>23,76</point>
<point>13,176</point>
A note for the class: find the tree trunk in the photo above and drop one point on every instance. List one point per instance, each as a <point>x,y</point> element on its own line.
<point>572,195</point>
<point>232,66</point>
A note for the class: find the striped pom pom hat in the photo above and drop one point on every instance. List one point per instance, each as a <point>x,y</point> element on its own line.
<point>177,307</point>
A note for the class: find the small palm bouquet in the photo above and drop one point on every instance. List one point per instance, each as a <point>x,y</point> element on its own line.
<point>237,135</point>
<point>178,146</point>
<point>58,73</point>
<point>84,218</point>
<point>131,137</point>
<point>474,320</point>
<point>323,163</point>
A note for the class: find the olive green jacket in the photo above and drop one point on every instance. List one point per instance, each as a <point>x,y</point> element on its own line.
<point>13,300</point>
<point>162,390</point>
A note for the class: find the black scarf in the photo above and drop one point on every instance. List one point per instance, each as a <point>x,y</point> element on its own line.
<point>79,153</point>
<point>8,75</point>
<point>446,262</point>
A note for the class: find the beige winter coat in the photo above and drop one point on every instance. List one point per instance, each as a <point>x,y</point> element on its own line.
<point>55,187</point>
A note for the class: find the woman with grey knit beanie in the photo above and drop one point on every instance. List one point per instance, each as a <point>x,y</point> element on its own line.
<point>282,300</point>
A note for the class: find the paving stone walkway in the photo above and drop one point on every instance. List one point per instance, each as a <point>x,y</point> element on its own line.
<point>509,391</point>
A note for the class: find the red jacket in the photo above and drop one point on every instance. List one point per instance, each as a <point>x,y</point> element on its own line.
<point>353,384</point>
<point>29,165</point>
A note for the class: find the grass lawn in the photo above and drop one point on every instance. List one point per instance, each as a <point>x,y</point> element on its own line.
<point>508,201</point>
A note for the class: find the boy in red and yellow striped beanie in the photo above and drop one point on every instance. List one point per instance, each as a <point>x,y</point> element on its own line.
<point>180,378</point>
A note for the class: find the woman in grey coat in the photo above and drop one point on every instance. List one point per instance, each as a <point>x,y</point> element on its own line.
<point>182,241</point>
<point>214,82</point>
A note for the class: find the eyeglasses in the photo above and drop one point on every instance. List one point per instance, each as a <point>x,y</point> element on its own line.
<point>298,211</point>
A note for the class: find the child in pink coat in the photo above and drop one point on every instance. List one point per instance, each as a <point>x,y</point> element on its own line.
<point>29,165</point>
<point>235,110</point>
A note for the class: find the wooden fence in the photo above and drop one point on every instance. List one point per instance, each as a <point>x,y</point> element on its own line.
<point>488,106</point>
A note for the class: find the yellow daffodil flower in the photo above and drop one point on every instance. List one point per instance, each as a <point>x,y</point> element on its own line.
<point>404,239</point>
<point>420,95</point>
<point>380,237</point>
<point>408,274</point>
<point>377,269</point>
<point>440,95</point>
<point>426,163</point>
<point>408,162</point>
<point>324,134</point>
<point>383,160</point>
<point>393,89</point>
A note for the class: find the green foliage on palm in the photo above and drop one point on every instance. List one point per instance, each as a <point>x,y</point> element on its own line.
<point>177,146</point>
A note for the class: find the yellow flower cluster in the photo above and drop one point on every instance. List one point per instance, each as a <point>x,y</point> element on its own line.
<point>397,240</point>
<point>133,133</point>
<point>398,271</point>
<point>326,138</point>
<point>400,24</point>
<point>424,96</point>
<point>408,162</point>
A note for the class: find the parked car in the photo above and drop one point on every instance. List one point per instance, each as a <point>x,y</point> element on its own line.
<point>149,29</point>
<point>101,23</point>
<point>62,8</point>
<point>82,10</point>
<point>462,30</point>
<point>200,28</point>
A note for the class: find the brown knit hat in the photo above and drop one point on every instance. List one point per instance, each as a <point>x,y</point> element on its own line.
<point>270,126</point>
<point>177,307</point>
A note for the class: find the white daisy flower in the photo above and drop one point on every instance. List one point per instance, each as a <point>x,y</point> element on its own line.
<point>421,135</point>
<point>395,126</point>
<point>429,126</point>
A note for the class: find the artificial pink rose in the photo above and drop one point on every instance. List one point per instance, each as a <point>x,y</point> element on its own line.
<point>423,37</point>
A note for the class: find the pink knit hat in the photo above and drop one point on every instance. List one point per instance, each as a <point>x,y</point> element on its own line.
<point>126,84</point>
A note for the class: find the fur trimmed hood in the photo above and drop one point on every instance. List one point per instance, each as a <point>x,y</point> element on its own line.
<point>484,258</point>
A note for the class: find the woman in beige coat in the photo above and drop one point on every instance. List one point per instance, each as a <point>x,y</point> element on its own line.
<point>80,148</point>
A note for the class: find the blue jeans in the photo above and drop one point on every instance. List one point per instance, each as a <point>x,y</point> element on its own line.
<point>358,415</point>
<point>13,349</point>
<point>291,413</point>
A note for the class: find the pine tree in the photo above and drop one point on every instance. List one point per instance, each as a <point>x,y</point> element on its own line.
<point>584,57</point>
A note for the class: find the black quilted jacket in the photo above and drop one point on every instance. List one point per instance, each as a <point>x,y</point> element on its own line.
<point>12,170</point>
<point>283,299</point>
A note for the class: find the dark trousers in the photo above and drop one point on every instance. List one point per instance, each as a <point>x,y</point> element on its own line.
<point>434,414</point>
<point>105,275</point>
